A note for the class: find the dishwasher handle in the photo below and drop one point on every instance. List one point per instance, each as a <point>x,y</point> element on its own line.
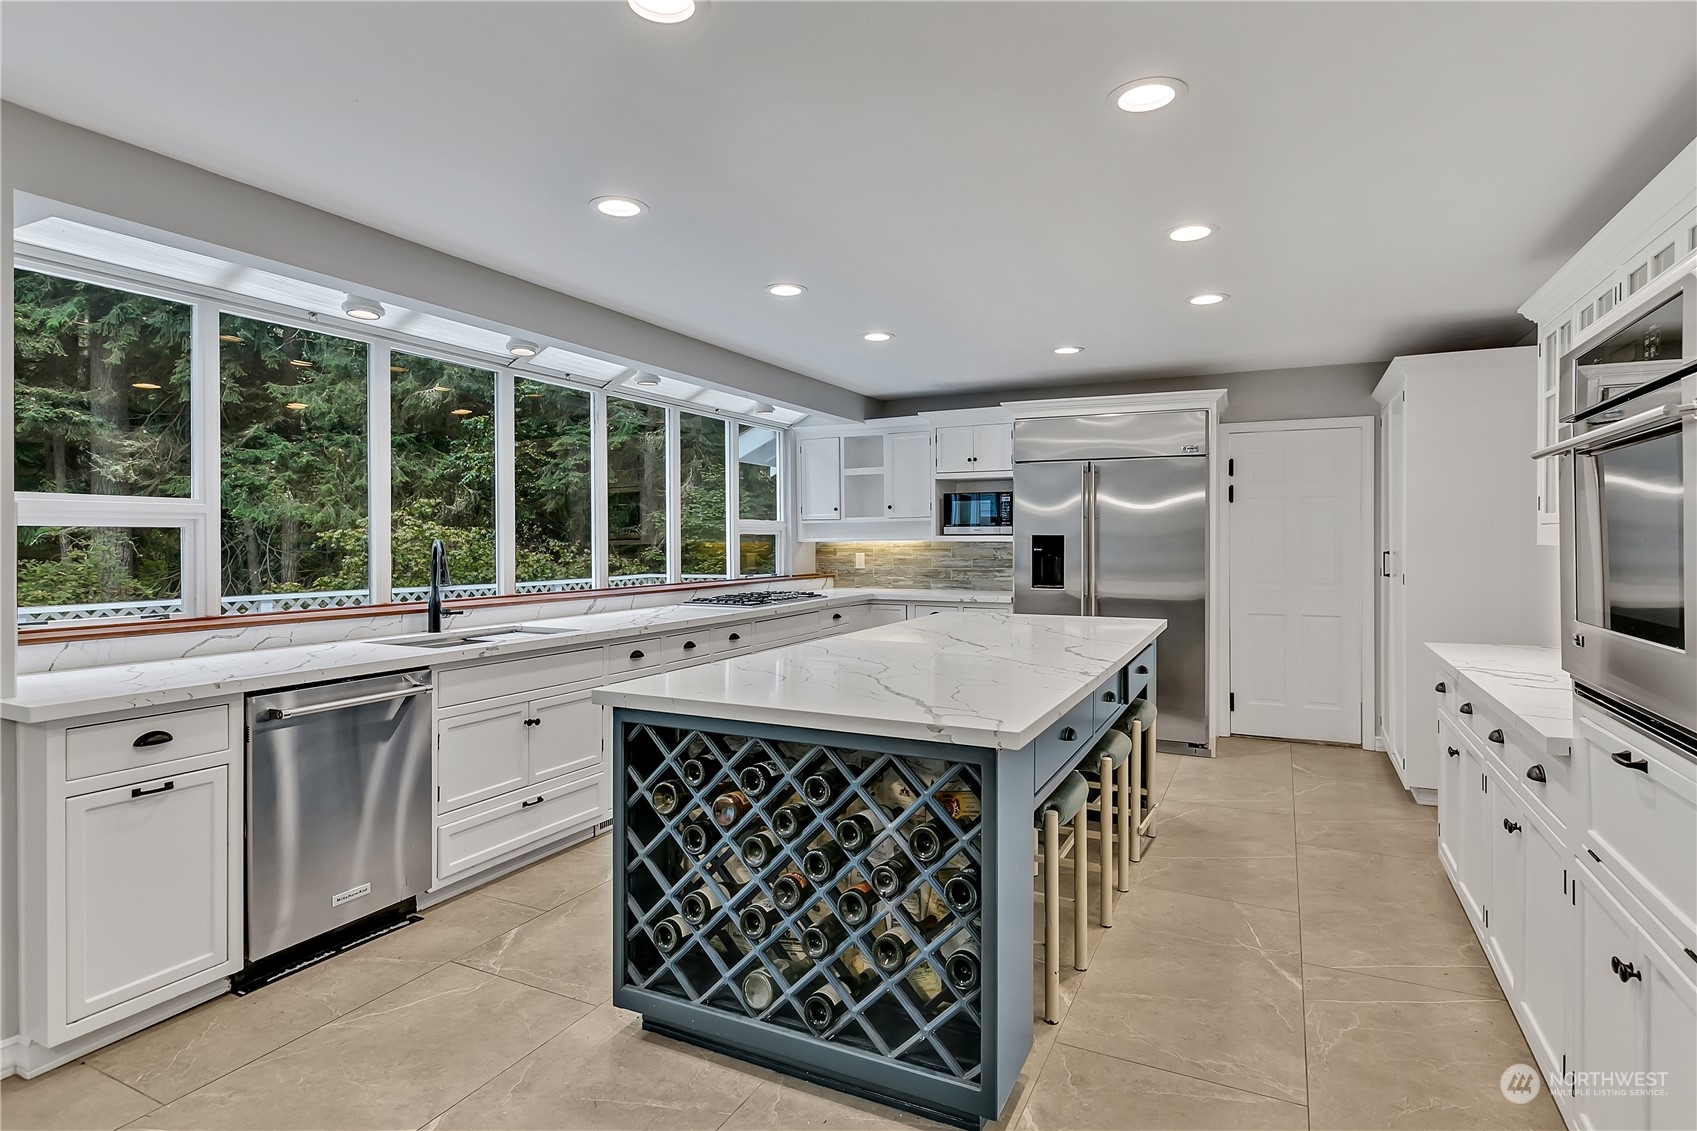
<point>338,704</point>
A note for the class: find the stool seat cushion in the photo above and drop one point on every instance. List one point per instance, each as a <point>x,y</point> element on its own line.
<point>1115,745</point>
<point>1140,711</point>
<point>1065,799</point>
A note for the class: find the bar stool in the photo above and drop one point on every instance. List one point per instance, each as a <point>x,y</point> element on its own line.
<point>1111,753</point>
<point>1064,804</point>
<point>1137,807</point>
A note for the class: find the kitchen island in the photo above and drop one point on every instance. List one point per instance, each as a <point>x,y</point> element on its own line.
<point>823,853</point>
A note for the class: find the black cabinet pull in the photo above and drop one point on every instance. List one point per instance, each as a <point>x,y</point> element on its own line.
<point>1440,689</point>
<point>1536,773</point>
<point>836,616</point>
<point>154,738</point>
<point>1467,708</point>
<point>533,722</point>
<point>636,655</point>
<point>532,801</point>
<point>1107,696</point>
<point>1510,826</point>
<point>138,791</point>
<point>688,644</point>
<point>1625,970</point>
<point>1385,563</point>
<point>889,506</point>
<point>1068,734</point>
<point>1454,753</point>
<point>1142,669</point>
<point>1625,758</point>
<point>735,636</point>
<point>1496,736</point>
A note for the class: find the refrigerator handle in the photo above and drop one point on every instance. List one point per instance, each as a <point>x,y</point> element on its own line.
<point>1090,600</point>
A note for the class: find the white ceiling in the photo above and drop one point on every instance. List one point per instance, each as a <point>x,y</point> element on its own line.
<point>1387,177</point>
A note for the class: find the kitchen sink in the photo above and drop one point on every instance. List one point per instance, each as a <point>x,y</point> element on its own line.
<point>496,634</point>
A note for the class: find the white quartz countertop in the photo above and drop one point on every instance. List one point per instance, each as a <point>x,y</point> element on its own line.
<point>52,696</point>
<point>973,678</point>
<point>1524,681</point>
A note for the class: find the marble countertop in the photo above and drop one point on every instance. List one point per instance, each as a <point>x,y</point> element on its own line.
<point>1524,681</point>
<point>52,696</point>
<point>973,678</point>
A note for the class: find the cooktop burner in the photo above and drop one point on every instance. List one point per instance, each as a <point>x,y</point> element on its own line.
<point>767,597</point>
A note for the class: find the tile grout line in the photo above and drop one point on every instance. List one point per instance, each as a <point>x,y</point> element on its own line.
<point>1186,1075</point>
<point>1301,959</point>
<point>131,1087</point>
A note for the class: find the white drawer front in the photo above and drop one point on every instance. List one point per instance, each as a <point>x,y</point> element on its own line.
<point>843,620</point>
<point>732,637</point>
<point>882,613</point>
<point>106,748</point>
<point>687,647</point>
<point>636,655</point>
<point>525,819</point>
<point>781,630</point>
<point>1642,818</point>
<point>514,677</point>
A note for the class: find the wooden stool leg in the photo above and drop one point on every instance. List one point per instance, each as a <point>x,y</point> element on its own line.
<point>1147,786</point>
<point>1105,844</point>
<point>1051,916</point>
<point>1139,742</point>
<point>1128,825</point>
<point>1081,889</point>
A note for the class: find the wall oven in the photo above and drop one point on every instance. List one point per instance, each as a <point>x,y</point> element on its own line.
<point>1629,508</point>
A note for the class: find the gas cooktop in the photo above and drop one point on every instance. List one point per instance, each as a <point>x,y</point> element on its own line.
<point>768,597</point>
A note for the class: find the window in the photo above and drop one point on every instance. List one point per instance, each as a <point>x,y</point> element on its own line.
<point>553,433</point>
<point>98,572</point>
<point>757,472</point>
<point>636,492</point>
<point>292,468</point>
<point>701,486</point>
<point>758,555</point>
<point>442,472</point>
<point>102,399</point>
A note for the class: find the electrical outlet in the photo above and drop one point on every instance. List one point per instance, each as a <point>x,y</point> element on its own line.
<point>860,561</point>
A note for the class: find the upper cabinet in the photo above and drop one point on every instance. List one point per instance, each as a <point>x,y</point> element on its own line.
<point>869,482</point>
<point>820,463</point>
<point>1597,290</point>
<point>974,449</point>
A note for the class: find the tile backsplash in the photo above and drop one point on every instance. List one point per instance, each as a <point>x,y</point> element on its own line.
<point>918,565</point>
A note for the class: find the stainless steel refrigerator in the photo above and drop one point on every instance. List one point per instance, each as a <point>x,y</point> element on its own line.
<point>1110,518</point>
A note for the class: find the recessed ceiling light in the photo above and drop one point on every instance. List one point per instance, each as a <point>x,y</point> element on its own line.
<point>785,290</point>
<point>764,409</point>
<point>1207,298</point>
<point>460,411</point>
<point>1065,350</point>
<point>1143,95</point>
<point>877,336</point>
<point>296,405</point>
<point>518,347</point>
<point>365,309</point>
<point>646,380</point>
<point>300,363</point>
<point>663,11</point>
<point>1190,233</point>
<point>143,385</point>
<point>231,338</point>
<point>620,207</point>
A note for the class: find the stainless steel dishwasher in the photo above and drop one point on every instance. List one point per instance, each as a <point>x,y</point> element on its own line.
<point>338,807</point>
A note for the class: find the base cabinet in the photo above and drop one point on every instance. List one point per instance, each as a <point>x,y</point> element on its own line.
<point>1505,906</point>
<point>1542,980</point>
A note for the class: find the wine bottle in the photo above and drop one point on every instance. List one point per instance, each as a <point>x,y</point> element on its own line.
<point>823,862</point>
<point>697,835</point>
<point>926,988</point>
<point>760,849</point>
<point>961,963</point>
<point>759,991</point>
<point>962,806</point>
<point>669,934</point>
<point>666,796</point>
<point>855,904</point>
<point>856,831</point>
<point>728,808</point>
<point>790,890</point>
<point>699,770</point>
<point>825,1004</point>
<point>757,777</point>
<point>926,843</point>
<point>821,787</point>
<point>892,949</point>
<point>893,792</point>
<point>819,940</point>
<point>697,905</point>
<point>961,891</point>
<point>758,918</point>
<point>788,821</point>
<point>890,877</point>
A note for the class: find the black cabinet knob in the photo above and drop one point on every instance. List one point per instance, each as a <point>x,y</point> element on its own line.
<point>1536,773</point>
<point>1454,753</point>
<point>1467,708</point>
<point>1625,971</point>
<point>1625,758</point>
<point>153,738</point>
<point>1496,736</point>
<point>1510,826</point>
<point>1440,689</point>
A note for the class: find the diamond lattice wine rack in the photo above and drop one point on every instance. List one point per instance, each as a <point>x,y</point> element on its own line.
<point>816,902</point>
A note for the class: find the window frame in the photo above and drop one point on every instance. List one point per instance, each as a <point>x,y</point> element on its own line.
<point>198,516</point>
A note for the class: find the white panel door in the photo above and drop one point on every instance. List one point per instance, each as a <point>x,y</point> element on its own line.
<point>1296,583</point>
<point>909,475</point>
<point>565,736</point>
<point>821,478</point>
<point>992,447</point>
<point>954,449</point>
<point>481,755</point>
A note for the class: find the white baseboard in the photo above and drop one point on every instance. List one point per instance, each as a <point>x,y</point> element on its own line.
<point>8,1050</point>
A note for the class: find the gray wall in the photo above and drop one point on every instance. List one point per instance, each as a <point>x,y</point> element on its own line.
<point>1311,392</point>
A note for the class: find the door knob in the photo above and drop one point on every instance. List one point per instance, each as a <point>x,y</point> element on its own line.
<point>1454,753</point>
<point>1625,970</point>
<point>1510,826</point>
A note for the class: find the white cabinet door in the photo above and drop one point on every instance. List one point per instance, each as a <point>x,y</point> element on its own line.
<point>565,737</point>
<point>821,478</point>
<point>1609,1029</point>
<point>908,473</point>
<point>1452,773</point>
<point>955,449</point>
<point>882,614</point>
<point>992,447</point>
<point>1547,948</point>
<point>1672,1041</point>
<point>147,891</point>
<point>1475,860</point>
<point>481,755</point>
<point>1394,597</point>
<point>1506,905</point>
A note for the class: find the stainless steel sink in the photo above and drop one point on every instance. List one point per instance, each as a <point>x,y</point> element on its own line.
<point>495,634</point>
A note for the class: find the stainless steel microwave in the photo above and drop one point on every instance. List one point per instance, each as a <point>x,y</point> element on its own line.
<point>978,512</point>
<point>1629,507</point>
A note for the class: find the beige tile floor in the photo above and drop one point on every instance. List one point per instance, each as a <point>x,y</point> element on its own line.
<point>1290,955</point>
